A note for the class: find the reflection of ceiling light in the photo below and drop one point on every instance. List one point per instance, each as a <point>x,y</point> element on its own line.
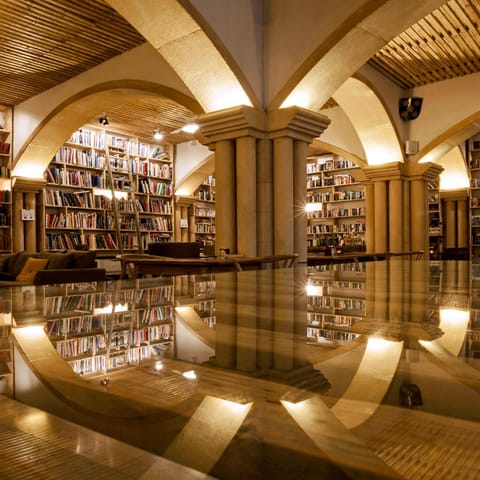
<point>190,128</point>
<point>158,366</point>
<point>157,134</point>
<point>190,374</point>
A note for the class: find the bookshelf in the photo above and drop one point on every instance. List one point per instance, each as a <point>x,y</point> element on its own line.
<point>335,203</point>
<point>473,162</point>
<point>97,333</point>
<point>204,212</point>
<point>5,181</point>
<point>126,210</point>
<point>435,220</point>
<point>335,304</point>
<point>6,355</point>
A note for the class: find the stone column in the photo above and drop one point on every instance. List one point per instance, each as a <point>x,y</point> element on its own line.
<point>395,212</point>
<point>225,193</point>
<point>17,222</point>
<point>246,196</point>
<point>451,224</point>
<point>370,216</point>
<point>462,223</point>
<point>419,216</point>
<point>265,197</point>
<point>381,210</point>
<point>30,226</point>
<point>300,199</point>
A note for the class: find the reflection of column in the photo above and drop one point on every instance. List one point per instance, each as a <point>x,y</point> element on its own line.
<point>226,315</point>
<point>300,199</point>
<point>380,188</point>
<point>247,322</point>
<point>419,286</point>
<point>284,304</point>
<point>246,196</point>
<point>265,312</point>
<point>264,198</point>
<point>283,224</point>
<point>225,193</point>
<point>300,314</point>
<point>395,204</point>
<point>370,216</point>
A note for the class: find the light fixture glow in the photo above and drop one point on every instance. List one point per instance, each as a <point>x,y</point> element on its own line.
<point>33,331</point>
<point>190,128</point>
<point>314,290</point>
<point>157,134</point>
<point>158,366</point>
<point>190,375</point>
<point>313,207</point>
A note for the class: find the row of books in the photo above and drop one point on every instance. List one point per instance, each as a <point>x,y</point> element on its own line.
<point>323,335</point>
<point>76,347</point>
<point>339,195</point>
<point>342,228</point>
<point>329,163</point>
<point>329,180</point>
<point>204,212</point>
<point>205,228</point>
<point>152,205</point>
<point>328,320</point>
<point>205,195</point>
<point>331,212</point>
<point>4,147</point>
<point>155,187</point>
<point>80,220</point>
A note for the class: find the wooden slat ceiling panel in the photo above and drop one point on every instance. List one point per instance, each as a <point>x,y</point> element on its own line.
<point>443,45</point>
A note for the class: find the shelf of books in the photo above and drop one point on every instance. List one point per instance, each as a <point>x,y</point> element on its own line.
<point>435,222</point>
<point>6,356</point>
<point>204,212</point>
<point>472,341</point>
<point>473,162</point>
<point>79,193</point>
<point>335,203</point>
<point>99,332</point>
<point>335,304</point>
<point>5,181</point>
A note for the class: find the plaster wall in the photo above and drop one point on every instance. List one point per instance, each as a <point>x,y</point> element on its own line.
<point>142,63</point>
<point>188,156</point>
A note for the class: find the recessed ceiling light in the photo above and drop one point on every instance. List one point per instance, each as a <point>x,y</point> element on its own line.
<point>190,128</point>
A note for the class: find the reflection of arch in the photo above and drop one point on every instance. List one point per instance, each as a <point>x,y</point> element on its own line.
<point>67,117</point>
<point>187,48</point>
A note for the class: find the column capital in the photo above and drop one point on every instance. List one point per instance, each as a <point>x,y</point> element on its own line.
<point>457,194</point>
<point>297,123</point>
<point>24,184</point>
<point>384,172</point>
<point>230,124</point>
<point>427,171</point>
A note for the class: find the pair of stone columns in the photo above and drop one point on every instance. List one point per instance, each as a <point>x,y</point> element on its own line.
<point>260,165</point>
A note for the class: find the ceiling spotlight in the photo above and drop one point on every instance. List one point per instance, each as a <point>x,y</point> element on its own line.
<point>190,128</point>
<point>103,120</point>
<point>157,134</point>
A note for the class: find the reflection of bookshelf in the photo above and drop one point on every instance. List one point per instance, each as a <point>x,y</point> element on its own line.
<point>335,304</point>
<point>473,162</point>
<point>204,212</point>
<point>335,203</point>
<point>79,194</point>
<point>99,332</point>
<point>472,341</point>
<point>5,183</point>
<point>435,222</point>
<point>6,357</point>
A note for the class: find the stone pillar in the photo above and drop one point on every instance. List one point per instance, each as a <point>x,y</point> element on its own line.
<point>462,223</point>
<point>300,199</point>
<point>283,224</point>
<point>419,215</point>
<point>225,193</point>
<point>450,224</point>
<point>246,196</point>
<point>395,212</point>
<point>30,226</point>
<point>370,216</point>
<point>265,197</point>
<point>381,210</point>
<point>407,244</point>
<point>17,222</point>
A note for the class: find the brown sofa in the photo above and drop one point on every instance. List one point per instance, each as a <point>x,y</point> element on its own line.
<point>47,268</point>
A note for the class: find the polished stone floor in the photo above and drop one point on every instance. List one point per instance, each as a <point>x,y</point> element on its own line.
<point>288,373</point>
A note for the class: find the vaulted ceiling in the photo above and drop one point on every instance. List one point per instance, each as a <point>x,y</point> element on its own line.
<point>45,42</point>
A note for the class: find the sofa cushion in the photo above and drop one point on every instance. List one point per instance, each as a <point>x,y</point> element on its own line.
<point>30,269</point>
<point>84,259</point>
<point>58,261</point>
<point>20,261</point>
<point>4,262</point>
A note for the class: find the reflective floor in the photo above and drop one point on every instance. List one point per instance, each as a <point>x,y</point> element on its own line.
<point>348,371</point>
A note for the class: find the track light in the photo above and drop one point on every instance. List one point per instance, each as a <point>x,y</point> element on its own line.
<point>157,134</point>
<point>103,120</point>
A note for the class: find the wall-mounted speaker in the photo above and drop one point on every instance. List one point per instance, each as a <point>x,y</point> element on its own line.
<point>409,107</point>
<point>411,147</point>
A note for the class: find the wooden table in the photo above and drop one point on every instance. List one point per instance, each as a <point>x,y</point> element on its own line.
<point>143,264</point>
<point>319,259</point>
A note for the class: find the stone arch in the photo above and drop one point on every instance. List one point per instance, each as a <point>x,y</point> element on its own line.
<point>38,150</point>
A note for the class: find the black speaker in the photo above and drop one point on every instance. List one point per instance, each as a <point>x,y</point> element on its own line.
<point>409,107</point>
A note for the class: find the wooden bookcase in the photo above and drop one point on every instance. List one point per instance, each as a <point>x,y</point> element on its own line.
<point>5,181</point>
<point>335,203</point>
<point>335,304</point>
<point>108,191</point>
<point>204,212</point>
<point>99,332</point>
<point>473,162</point>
